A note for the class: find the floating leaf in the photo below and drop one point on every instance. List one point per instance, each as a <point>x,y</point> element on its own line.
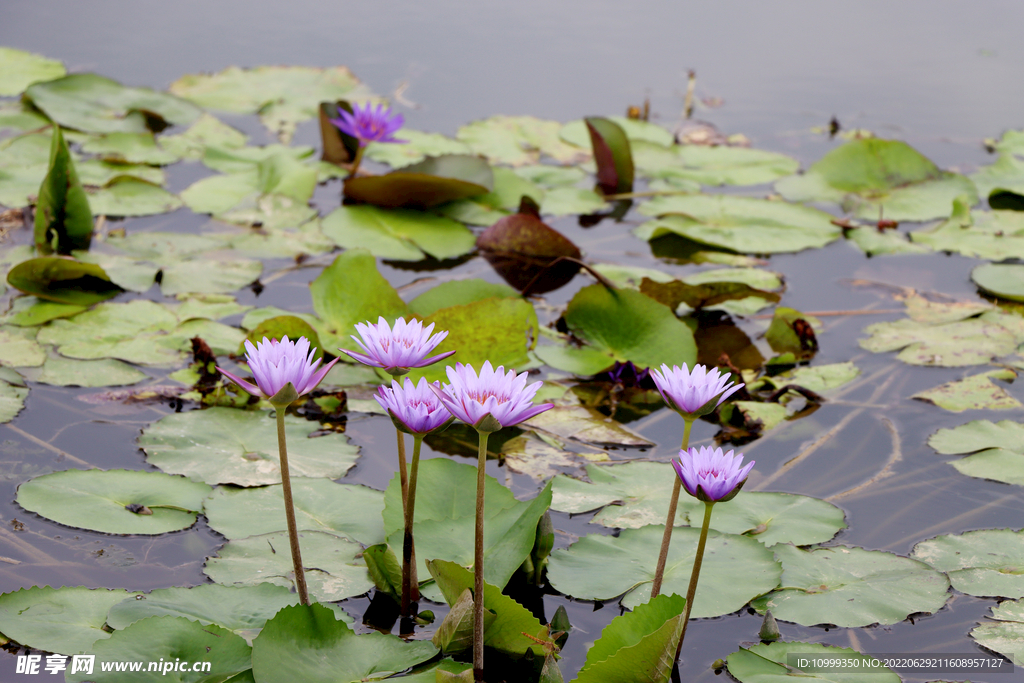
<point>128,196</point>
<point>621,325</point>
<point>66,620</point>
<point>510,332</point>
<point>94,104</point>
<point>518,140</point>
<point>1007,635</point>
<point>206,132</point>
<point>124,271</point>
<point>99,500</point>
<point>18,347</point>
<point>514,629</point>
<point>367,296</point>
<point>874,242</point>
<point>638,645</point>
<point>718,165</point>
<point>612,155</point>
<point>1005,174</point>
<point>869,176</point>
<point>169,640</point>
<point>537,458</point>
<point>988,562</point>
<point>993,235</point>
<point>636,494</point>
<point>107,372</point>
<point>790,332</point>
<point>228,446</point>
<point>925,311</point>
<point>399,234</point>
<point>852,587</point>
<point>306,643</point>
<point>210,275</point>
<point>973,393</point>
<point>586,425</point>
<point>967,342</point>
<point>333,568</point>
<point>63,280</point>
<point>418,145</point>
<point>430,182</point>
<point>771,662</point>
<point>133,148</point>
<point>320,505</point>
<point>19,69</point>
<point>1003,280</point>
<point>568,201</point>
<point>458,293</point>
<point>740,224</point>
<point>525,252</point>
<point>28,311</point>
<point>598,567</point>
<point>63,219</point>
<point>12,400</point>
<point>24,162</point>
<point>445,519</point>
<point>240,609</point>
<point>20,117</point>
<point>283,96</point>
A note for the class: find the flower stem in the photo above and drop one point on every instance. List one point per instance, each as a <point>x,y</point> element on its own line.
<point>410,583</point>
<point>478,563</point>
<point>691,590</point>
<point>357,160</point>
<point>289,511</point>
<point>403,470</point>
<point>659,573</point>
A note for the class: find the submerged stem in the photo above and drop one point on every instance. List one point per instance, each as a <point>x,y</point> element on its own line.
<point>691,590</point>
<point>289,511</point>
<point>410,583</point>
<point>666,539</point>
<point>478,563</point>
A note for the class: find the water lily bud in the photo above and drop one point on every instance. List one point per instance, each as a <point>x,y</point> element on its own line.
<point>769,628</point>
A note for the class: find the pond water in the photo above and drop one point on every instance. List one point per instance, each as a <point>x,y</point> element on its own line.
<point>941,79</point>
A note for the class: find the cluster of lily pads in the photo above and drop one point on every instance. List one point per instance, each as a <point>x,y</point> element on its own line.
<point>83,146</point>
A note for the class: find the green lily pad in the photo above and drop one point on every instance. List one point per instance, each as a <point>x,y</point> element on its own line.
<point>518,140</point>
<point>509,334</point>
<point>870,175</point>
<point>638,645</point>
<point>168,639</point>
<point>403,235</point>
<point>1005,173</point>
<point>820,379</point>
<point>433,181</point>
<point>63,280</point>
<point>569,201</point>
<point>995,448</point>
<point>94,104</point>
<point>20,117</point>
<point>966,342</point>
<point>240,609</point>
<point>993,235</point>
<point>128,196</point>
<point>133,148</point>
<point>367,296</point>
<point>538,458</point>
<point>417,146</point>
<point>258,316</point>
<point>575,132</point>
<point>852,587</point>
<point>139,331</point>
<point>228,446</point>
<point>874,242</point>
<point>771,662</point>
<point>124,271</point>
<point>21,69</point>
<point>597,567</point>
<point>446,514</point>
<point>636,494</point>
<point>333,565</point>
<point>740,224</point>
<point>24,162</point>
<point>100,500</point>
<point>580,423</point>
<point>18,347</point>
<point>977,392</point>
<point>458,293</point>
<point>320,505</point>
<point>210,275</point>
<point>12,400</point>
<point>1003,280</point>
<point>988,562</point>
<point>306,643</point>
<point>1006,636</point>
<point>27,311</point>
<point>706,165</point>
<point>207,131</point>
<point>620,325</point>
<point>305,240</point>
<point>513,629</point>
<point>283,96</point>
<point>66,620</point>
<point>68,372</point>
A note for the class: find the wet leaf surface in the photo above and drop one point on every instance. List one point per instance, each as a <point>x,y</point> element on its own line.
<point>768,662</point>
<point>967,342</point>
<point>988,562</point>
<point>1006,635</point>
<point>398,234</point>
<point>21,69</point>
<point>706,165</point>
<point>518,140</point>
<point>1004,280</point>
<point>977,392</point>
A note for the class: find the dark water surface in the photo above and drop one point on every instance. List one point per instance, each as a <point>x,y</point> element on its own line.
<point>941,75</point>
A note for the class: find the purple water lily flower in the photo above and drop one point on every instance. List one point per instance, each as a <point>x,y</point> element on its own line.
<point>414,409</point>
<point>710,475</point>
<point>275,364</point>
<point>369,124</point>
<point>695,393</point>
<point>397,349</point>
<point>504,397</point>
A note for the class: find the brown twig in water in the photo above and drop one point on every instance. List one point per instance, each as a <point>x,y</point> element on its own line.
<point>894,457</point>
